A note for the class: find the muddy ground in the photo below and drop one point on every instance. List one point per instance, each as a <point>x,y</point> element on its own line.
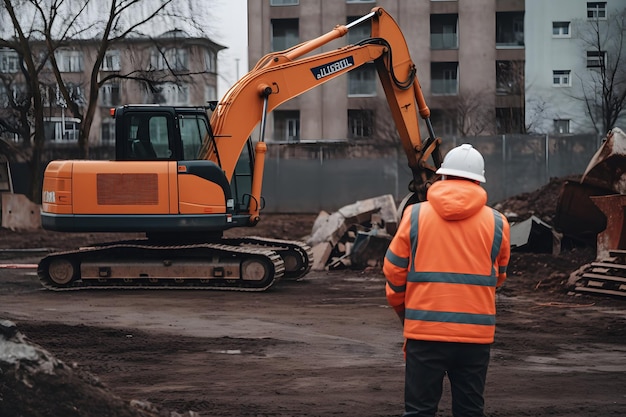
<point>326,345</point>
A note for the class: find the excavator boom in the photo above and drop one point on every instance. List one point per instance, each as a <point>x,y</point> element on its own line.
<point>281,76</point>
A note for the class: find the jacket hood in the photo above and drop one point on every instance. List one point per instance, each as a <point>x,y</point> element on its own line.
<point>456,199</point>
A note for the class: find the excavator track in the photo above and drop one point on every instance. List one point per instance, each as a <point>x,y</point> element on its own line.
<point>297,256</point>
<point>126,265</point>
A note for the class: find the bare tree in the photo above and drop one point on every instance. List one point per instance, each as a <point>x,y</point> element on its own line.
<point>38,30</point>
<point>124,19</point>
<point>472,114</point>
<point>14,119</point>
<point>31,62</point>
<point>604,85</point>
<point>539,108</point>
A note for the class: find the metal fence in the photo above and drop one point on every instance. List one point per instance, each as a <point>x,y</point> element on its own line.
<point>311,177</point>
<point>308,178</point>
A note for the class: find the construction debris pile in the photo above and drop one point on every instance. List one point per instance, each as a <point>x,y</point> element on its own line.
<point>355,236</point>
<point>36,384</point>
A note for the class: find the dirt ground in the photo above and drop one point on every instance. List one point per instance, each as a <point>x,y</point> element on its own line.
<point>326,345</point>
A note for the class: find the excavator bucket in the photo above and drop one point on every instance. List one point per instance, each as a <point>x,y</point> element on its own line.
<point>577,215</point>
<point>608,166</point>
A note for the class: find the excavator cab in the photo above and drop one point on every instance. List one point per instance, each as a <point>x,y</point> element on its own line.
<point>150,133</point>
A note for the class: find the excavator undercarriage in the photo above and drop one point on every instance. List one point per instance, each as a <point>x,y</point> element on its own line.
<point>247,264</point>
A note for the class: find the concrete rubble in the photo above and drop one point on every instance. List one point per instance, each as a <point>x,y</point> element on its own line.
<point>534,235</point>
<point>19,213</point>
<point>355,236</point>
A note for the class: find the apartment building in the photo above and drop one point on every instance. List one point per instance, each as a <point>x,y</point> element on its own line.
<point>567,43</point>
<point>469,55</point>
<point>172,68</point>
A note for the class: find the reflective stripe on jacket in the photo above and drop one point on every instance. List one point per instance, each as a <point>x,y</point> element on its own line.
<point>445,262</point>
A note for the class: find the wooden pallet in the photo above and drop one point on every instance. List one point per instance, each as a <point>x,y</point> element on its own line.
<point>606,276</point>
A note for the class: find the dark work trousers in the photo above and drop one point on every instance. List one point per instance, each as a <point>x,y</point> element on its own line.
<point>426,365</point>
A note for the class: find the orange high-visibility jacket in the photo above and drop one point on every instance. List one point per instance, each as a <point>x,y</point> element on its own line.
<point>445,262</point>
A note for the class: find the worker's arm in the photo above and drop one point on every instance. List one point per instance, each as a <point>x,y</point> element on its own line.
<point>396,265</point>
<point>504,255</point>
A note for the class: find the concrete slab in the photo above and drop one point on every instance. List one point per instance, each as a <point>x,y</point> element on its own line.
<point>19,213</point>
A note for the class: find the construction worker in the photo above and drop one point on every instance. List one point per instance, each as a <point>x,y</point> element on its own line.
<point>443,266</point>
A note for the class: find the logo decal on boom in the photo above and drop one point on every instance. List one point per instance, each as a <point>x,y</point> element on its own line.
<point>328,69</point>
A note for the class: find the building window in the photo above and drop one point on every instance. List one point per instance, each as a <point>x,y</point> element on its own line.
<point>210,61</point>
<point>76,93</point>
<point>287,125</point>
<point>210,93</point>
<point>61,129</point>
<point>360,123</point>
<point>509,77</point>
<point>443,31</point>
<point>69,61</point>
<point>444,78</point>
<point>13,95</point>
<point>111,61</point>
<point>107,132</point>
<point>443,123</point>
<point>174,59</point>
<point>48,95</point>
<point>9,61</point>
<point>596,59</point>
<point>284,34</point>
<point>560,29</point>
<point>561,78</point>
<point>561,126</point>
<point>362,81</point>
<point>596,10</point>
<point>110,94</point>
<point>509,120</point>
<point>359,32</point>
<point>510,29</point>
<point>170,94</point>
<point>284,2</point>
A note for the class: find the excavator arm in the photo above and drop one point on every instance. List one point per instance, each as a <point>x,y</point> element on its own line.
<point>281,76</point>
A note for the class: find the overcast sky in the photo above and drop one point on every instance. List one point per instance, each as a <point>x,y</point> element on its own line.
<point>231,31</point>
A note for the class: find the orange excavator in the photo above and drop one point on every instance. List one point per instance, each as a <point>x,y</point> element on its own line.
<point>183,179</point>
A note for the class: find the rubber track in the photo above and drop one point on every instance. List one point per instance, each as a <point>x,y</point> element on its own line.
<point>304,250</point>
<point>272,256</point>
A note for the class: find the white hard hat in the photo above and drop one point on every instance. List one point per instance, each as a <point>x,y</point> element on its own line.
<point>464,161</point>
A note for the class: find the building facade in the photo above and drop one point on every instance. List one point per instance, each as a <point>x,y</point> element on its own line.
<point>571,46</point>
<point>172,69</point>
<point>485,66</point>
<point>469,57</point>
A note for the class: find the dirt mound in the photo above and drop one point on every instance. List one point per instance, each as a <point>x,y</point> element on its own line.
<point>540,203</point>
<point>35,383</point>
